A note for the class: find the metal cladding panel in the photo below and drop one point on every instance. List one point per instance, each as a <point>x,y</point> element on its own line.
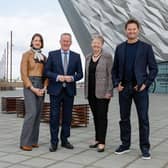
<point>107,17</point>
<point>79,29</point>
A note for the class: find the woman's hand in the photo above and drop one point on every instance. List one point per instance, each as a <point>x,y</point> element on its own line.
<point>108,96</point>
<point>37,91</point>
<point>44,90</point>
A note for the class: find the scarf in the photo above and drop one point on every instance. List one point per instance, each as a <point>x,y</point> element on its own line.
<point>38,56</point>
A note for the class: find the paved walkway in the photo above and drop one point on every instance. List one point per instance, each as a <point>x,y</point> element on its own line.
<point>83,157</point>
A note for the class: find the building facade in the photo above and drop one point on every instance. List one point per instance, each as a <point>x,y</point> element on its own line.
<point>107,17</point>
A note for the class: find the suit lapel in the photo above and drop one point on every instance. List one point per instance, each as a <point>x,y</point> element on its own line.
<point>69,61</point>
<point>137,53</point>
<point>60,61</point>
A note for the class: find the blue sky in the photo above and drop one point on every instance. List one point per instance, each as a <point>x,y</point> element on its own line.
<point>25,18</point>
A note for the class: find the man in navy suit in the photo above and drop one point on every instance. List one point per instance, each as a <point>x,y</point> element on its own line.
<point>63,69</point>
<point>133,72</point>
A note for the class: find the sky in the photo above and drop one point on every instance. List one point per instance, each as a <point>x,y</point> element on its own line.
<point>24,18</point>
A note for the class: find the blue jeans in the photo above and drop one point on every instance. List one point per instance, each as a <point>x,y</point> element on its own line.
<point>141,100</point>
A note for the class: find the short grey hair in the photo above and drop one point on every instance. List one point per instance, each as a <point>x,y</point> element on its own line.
<point>66,34</point>
<point>99,37</point>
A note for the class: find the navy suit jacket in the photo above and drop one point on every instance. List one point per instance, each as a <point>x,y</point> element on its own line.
<point>54,67</point>
<point>145,67</point>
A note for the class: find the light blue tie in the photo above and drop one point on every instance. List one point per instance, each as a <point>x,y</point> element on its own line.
<point>65,63</point>
<point>65,66</point>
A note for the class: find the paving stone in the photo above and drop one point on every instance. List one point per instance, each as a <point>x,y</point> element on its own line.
<point>38,162</point>
<point>82,157</point>
<point>13,158</point>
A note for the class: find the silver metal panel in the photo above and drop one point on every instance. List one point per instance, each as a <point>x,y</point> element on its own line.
<point>107,17</point>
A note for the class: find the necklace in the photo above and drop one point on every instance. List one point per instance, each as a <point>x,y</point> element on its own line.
<point>96,56</point>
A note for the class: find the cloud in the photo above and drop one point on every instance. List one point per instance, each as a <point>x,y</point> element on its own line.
<point>23,27</point>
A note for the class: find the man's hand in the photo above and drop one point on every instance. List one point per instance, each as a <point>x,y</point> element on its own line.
<point>136,88</point>
<point>68,78</point>
<point>120,87</point>
<point>142,87</point>
<point>61,78</point>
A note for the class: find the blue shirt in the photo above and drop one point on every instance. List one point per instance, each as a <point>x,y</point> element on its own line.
<point>62,55</point>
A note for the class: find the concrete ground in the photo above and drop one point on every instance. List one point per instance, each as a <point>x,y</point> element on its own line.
<point>82,157</point>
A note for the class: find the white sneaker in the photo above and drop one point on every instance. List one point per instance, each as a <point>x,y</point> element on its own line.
<point>146,156</point>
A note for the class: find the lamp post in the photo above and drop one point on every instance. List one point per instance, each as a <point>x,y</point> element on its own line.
<point>7,59</point>
<point>11,56</point>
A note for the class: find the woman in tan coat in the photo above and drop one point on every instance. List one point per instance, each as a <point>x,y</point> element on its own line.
<point>98,89</point>
<point>32,66</point>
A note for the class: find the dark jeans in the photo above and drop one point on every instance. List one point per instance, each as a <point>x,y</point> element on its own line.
<point>99,109</point>
<point>56,102</point>
<point>141,100</point>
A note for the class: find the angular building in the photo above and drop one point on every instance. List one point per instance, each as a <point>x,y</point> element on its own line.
<point>107,17</point>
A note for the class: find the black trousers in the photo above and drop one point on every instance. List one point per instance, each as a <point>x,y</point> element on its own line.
<point>99,109</point>
<point>141,100</point>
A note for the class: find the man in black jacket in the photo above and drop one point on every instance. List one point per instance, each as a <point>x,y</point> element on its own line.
<point>133,72</point>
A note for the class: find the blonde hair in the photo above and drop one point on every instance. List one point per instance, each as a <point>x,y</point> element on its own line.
<point>99,37</point>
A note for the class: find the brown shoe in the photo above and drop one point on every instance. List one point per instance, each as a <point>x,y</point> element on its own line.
<point>35,146</point>
<point>26,148</point>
